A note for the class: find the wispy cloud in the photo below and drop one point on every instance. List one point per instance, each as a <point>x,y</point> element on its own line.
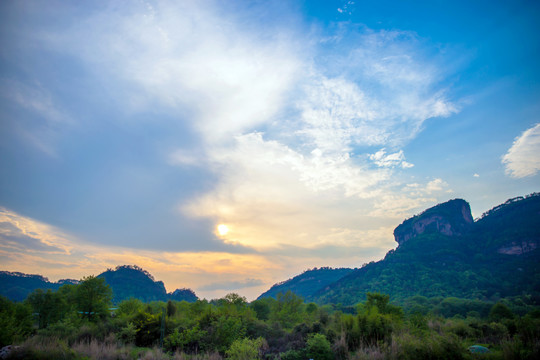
<point>305,151</point>
<point>46,120</point>
<point>22,233</point>
<point>381,159</point>
<point>523,158</point>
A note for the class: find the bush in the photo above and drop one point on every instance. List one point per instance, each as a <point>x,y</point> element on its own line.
<point>429,347</point>
<point>43,348</point>
<point>127,334</point>
<point>318,347</point>
<point>246,349</point>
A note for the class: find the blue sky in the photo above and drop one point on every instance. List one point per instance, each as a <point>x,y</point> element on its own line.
<point>130,130</point>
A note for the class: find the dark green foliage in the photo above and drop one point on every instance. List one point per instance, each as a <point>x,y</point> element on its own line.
<point>380,329</point>
<point>318,347</point>
<point>148,327</point>
<point>287,309</point>
<point>294,355</point>
<point>183,295</point>
<point>126,281</point>
<point>374,327</point>
<point>17,286</point>
<point>381,302</point>
<point>498,256</point>
<point>15,321</point>
<point>129,308</point>
<point>307,283</point>
<point>47,306</point>
<point>129,281</point>
<point>262,307</point>
<point>171,308</point>
<point>93,298</point>
<point>500,311</point>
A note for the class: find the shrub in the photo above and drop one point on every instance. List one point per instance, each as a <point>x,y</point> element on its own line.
<point>318,347</point>
<point>246,349</point>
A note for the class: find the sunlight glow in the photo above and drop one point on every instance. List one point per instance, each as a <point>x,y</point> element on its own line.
<point>222,229</point>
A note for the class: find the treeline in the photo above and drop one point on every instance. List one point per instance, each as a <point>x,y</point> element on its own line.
<point>79,322</point>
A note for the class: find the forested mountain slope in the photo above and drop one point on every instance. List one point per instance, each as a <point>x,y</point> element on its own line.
<point>442,252</point>
<point>16,286</point>
<point>130,281</point>
<point>307,283</point>
<point>126,281</point>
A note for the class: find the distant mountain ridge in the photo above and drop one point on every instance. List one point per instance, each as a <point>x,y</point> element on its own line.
<point>126,281</point>
<point>444,252</point>
<point>307,283</point>
<point>16,285</point>
<point>132,281</point>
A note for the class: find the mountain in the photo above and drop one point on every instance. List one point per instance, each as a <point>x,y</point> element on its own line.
<point>16,286</point>
<point>126,281</point>
<point>452,218</point>
<point>307,283</point>
<point>183,295</point>
<point>443,252</point>
<point>130,281</point>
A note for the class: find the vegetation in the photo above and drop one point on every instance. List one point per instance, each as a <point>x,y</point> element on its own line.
<point>16,286</point>
<point>434,297</point>
<point>126,282</point>
<point>308,283</point>
<point>499,256</point>
<point>61,325</point>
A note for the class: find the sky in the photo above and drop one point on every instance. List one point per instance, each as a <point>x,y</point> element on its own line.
<point>227,146</point>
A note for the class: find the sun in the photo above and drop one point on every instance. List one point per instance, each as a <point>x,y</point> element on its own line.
<point>222,229</point>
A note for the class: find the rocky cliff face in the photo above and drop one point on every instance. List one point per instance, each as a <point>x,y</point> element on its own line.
<point>451,218</point>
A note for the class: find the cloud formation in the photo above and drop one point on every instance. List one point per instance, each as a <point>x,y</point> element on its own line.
<point>523,158</point>
<point>295,143</point>
<point>40,119</point>
<point>302,134</point>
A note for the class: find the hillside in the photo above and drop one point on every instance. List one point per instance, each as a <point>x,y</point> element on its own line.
<point>126,281</point>
<point>307,283</point>
<point>130,281</point>
<point>16,286</point>
<point>442,252</point>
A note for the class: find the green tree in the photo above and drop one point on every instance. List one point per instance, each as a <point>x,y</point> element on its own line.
<point>382,303</point>
<point>287,309</point>
<point>15,321</point>
<point>318,347</point>
<point>129,308</point>
<point>93,297</point>
<point>246,349</point>
<point>48,306</point>
<point>500,311</point>
<point>262,308</point>
<point>171,308</point>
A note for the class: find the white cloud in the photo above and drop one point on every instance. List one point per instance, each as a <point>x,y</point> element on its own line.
<point>291,138</point>
<point>193,58</point>
<point>381,159</point>
<point>523,158</point>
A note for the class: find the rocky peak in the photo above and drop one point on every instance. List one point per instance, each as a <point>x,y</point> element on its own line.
<point>451,218</point>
